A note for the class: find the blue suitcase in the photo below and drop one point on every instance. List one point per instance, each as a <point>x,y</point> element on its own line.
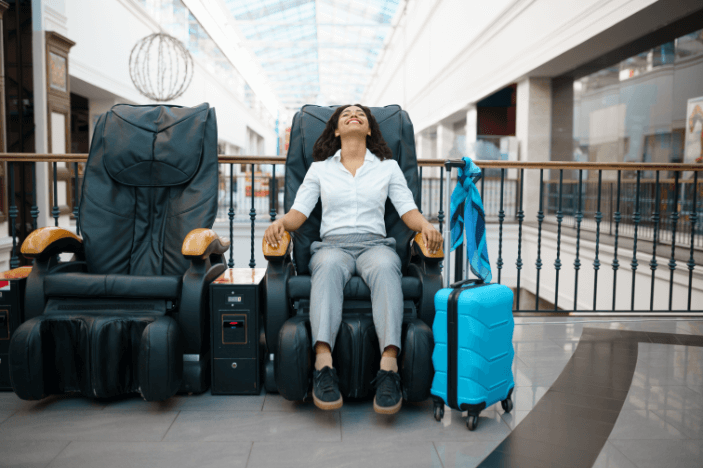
<point>473,353</point>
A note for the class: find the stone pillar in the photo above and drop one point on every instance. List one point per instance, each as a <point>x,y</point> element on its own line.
<point>471,131</point>
<point>533,128</point>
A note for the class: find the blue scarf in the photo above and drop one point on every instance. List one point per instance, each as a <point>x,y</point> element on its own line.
<point>474,218</point>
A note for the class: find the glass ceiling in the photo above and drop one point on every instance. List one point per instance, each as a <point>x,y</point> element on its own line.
<point>315,51</point>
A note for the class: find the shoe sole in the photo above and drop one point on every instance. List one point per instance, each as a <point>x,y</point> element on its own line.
<point>327,405</point>
<point>387,409</point>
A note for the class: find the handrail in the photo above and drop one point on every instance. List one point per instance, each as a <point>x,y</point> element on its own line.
<point>424,162</point>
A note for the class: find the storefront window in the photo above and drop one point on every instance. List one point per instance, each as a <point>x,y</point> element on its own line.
<point>637,110</point>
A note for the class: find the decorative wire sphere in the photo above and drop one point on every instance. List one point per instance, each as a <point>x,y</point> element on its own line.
<point>161,67</point>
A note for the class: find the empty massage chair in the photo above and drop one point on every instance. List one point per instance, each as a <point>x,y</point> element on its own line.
<point>289,362</point>
<point>130,312</point>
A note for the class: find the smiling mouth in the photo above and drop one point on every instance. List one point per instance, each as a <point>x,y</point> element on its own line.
<point>354,120</point>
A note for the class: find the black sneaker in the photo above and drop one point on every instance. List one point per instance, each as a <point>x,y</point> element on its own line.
<point>388,399</point>
<point>325,389</point>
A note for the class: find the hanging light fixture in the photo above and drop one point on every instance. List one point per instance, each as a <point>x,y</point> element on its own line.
<point>161,67</point>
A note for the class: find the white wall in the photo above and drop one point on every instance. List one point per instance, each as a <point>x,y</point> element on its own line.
<point>447,54</point>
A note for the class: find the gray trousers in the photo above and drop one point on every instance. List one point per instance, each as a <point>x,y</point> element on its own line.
<point>333,262</point>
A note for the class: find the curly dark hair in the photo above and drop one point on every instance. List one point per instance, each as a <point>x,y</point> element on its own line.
<point>328,144</point>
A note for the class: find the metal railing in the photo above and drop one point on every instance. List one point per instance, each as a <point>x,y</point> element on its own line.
<point>664,213</point>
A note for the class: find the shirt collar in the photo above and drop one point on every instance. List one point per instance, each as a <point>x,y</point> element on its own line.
<point>369,156</point>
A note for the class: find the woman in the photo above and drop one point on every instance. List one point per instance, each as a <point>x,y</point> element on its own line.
<point>354,173</point>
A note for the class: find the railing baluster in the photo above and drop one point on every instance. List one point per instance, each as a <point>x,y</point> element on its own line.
<point>655,237</point>
<point>34,212</point>
<point>540,218</point>
<point>14,260</point>
<point>596,262</point>
<point>55,210</point>
<point>636,220</point>
<point>501,216</point>
<point>75,198</point>
<point>577,262</point>
<point>252,216</point>
<point>693,218</point>
<point>272,189</point>
<point>520,217</point>
<point>421,187</point>
<point>674,222</point>
<point>230,264</point>
<point>560,216</point>
<point>616,218</point>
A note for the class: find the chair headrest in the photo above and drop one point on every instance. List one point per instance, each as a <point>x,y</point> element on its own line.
<point>154,146</point>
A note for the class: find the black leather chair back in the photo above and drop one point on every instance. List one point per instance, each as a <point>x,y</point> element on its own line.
<point>151,177</point>
<point>308,124</point>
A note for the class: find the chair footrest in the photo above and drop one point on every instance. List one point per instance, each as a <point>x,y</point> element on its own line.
<point>98,356</point>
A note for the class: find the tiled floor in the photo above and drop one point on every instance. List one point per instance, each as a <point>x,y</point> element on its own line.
<point>660,423</point>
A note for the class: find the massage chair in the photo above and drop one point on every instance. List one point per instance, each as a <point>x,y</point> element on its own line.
<point>356,356</point>
<point>129,313</point>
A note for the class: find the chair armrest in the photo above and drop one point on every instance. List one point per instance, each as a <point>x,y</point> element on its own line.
<point>278,253</point>
<point>420,249</point>
<point>200,243</point>
<point>46,242</point>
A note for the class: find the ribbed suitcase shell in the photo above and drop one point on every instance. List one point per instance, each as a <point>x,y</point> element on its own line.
<point>485,348</point>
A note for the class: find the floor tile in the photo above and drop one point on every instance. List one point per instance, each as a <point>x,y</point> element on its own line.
<point>661,453</point>
<point>255,426</point>
<point>643,424</point>
<point>208,402</point>
<point>312,454</point>
<point>689,422</point>
<point>513,418</point>
<point>667,376</point>
<point>5,414</point>
<point>29,454</point>
<point>137,404</point>
<point>406,426</point>
<point>68,401</point>
<point>467,454</point>
<point>668,397</point>
<point>153,454</point>
<point>535,376</point>
<point>86,425</point>
<point>611,457</point>
<point>275,402</point>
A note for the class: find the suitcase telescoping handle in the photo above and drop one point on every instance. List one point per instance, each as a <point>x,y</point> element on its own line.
<point>461,284</point>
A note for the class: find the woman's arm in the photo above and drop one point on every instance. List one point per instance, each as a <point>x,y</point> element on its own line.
<point>290,222</point>
<point>415,221</point>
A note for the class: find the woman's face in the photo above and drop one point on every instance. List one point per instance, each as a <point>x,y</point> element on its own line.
<point>352,121</point>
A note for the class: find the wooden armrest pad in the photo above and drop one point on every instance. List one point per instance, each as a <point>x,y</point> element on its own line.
<point>40,239</point>
<point>270,253</point>
<point>202,242</point>
<point>421,245</point>
<point>16,273</point>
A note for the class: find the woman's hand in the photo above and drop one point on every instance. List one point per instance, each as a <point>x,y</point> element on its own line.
<point>274,233</point>
<point>432,238</point>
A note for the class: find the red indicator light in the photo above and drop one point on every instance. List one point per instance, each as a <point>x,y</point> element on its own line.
<point>234,323</point>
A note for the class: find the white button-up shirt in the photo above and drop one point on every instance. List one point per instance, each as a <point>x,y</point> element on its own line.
<point>354,204</point>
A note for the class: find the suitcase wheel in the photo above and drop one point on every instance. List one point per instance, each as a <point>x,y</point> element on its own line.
<point>507,405</point>
<point>438,412</point>
<point>472,422</point>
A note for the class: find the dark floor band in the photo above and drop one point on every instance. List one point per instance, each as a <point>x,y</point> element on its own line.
<point>572,421</point>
